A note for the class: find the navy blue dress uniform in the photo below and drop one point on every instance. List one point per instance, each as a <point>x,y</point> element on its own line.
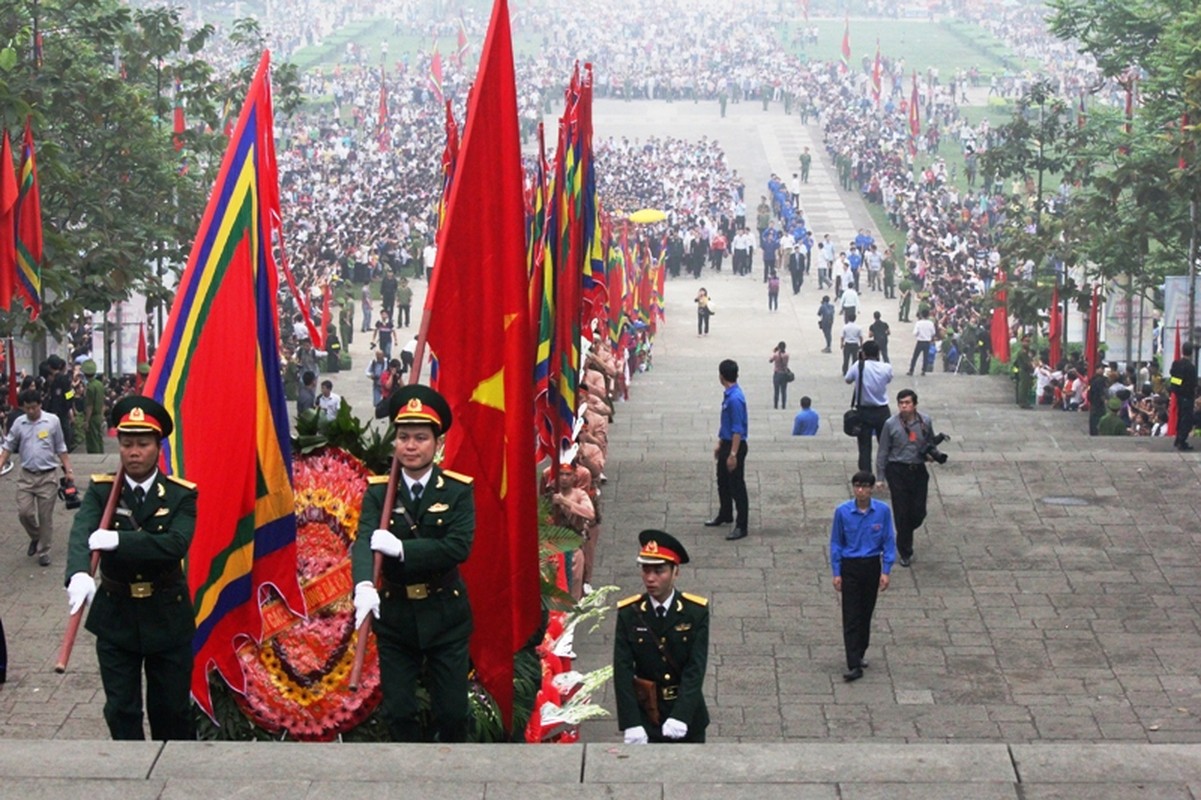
<point>670,650</point>
<point>424,620</point>
<point>142,612</point>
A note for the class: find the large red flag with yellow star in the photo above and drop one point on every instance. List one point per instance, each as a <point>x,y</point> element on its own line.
<point>477,314</point>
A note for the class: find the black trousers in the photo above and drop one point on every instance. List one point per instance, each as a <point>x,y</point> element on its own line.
<point>702,321</point>
<point>779,396</point>
<point>168,691</point>
<point>850,352</point>
<point>908,485</point>
<point>860,586</point>
<point>731,486</point>
<point>919,351</point>
<point>874,418</point>
<point>1184,419</point>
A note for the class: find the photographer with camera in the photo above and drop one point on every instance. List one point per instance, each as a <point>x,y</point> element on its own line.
<point>906,444</point>
<point>38,438</point>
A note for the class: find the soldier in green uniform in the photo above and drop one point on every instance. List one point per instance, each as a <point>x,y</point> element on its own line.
<point>141,612</point>
<point>1023,365</point>
<point>423,619</point>
<point>93,409</point>
<point>661,650</point>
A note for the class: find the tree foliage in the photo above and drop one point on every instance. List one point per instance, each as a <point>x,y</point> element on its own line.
<point>117,198</point>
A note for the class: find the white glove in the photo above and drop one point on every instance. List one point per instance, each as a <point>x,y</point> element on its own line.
<point>103,539</point>
<point>383,541</point>
<point>674,729</point>
<point>366,599</point>
<point>80,591</point>
<point>636,735</point>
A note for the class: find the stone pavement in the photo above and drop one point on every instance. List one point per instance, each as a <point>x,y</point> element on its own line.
<point>1050,618</point>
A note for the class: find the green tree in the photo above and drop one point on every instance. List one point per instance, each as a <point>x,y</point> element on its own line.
<point>116,195</point>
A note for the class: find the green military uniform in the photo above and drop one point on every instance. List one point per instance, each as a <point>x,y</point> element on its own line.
<point>671,650</point>
<point>1111,424</point>
<point>142,612</point>
<point>424,616</point>
<point>1023,364</point>
<point>93,410</point>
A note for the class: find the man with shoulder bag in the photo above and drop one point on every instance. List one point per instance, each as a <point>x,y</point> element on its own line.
<point>869,402</point>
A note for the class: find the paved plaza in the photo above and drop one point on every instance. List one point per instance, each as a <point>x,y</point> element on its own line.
<point>1053,603</point>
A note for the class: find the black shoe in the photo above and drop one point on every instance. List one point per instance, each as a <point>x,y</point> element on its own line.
<point>863,663</point>
<point>906,560</point>
<point>737,533</point>
<point>853,674</point>
<point>716,522</point>
<point>44,558</point>
<point>910,374</point>
<point>33,547</point>
<point>1183,446</point>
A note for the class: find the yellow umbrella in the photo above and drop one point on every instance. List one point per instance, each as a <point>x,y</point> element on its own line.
<point>645,215</point>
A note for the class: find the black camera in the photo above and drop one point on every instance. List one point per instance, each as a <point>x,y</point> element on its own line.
<point>69,494</point>
<point>931,452</point>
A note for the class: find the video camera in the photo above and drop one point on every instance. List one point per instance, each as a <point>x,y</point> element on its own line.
<point>931,452</point>
<point>69,494</point>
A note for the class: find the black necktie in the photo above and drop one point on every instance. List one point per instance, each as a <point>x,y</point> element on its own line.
<point>416,492</point>
<point>661,611</point>
<point>139,494</point>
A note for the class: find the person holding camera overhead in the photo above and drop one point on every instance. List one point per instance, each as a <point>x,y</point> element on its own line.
<point>906,444</point>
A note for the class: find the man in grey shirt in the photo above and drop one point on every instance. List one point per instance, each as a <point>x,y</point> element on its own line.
<point>850,340</point>
<point>902,463</point>
<point>38,438</point>
<point>873,402</point>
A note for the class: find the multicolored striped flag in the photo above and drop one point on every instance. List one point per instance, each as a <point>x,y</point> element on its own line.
<point>915,118</point>
<point>541,265</point>
<point>28,222</point>
<point>435,78</point>
<point>222,341</point>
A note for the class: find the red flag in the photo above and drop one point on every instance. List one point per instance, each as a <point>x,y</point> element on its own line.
<point>481,276</point>
<point>805,9</point>
<point>28,222</point>
<point>1092,340</point>
<point>877,75</point>
<point>999,332</point>
<point>1055,329</point>
<point>1171,395</point>
<point>436,74</point>
<point>180,124</point>
<point>8,231</point>
<point>12,374</point>
<point>143,358</point>
<point>461,50</point>
<point>844,64</point>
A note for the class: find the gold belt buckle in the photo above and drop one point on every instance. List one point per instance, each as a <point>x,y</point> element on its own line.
<point>417,591</point>
<point>670,692</point>
<point>141,590</point>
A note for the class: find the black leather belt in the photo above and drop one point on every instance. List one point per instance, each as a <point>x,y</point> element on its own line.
<point>421,591</point>
<point>39,471</point>
<point>669,692</point>
<point>139,590</point>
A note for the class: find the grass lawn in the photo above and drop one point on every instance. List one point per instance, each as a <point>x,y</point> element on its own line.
<point>923,44</point>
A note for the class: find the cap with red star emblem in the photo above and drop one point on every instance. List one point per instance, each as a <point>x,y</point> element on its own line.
<point>419,405</point>
<point>658,547</point>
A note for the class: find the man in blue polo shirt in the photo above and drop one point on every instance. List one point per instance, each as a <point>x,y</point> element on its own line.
<point>862,551</point>
<point>730,454</point>
<point>807,421</point>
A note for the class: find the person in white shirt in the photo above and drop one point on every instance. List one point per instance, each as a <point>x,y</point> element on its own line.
<point>328,402</point>
<point>923,332</point>
<point>428,256</point>
<point>849,303</point>
<point>850,340</point>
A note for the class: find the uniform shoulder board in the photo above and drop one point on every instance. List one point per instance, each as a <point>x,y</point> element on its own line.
<point>373,479</point>
<point>103,477</point>
<point>629,600</point>
<point>458,476</point>
<point>182,482</point>
<point>695,598</point>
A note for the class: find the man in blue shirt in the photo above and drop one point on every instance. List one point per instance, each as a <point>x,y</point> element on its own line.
<point>862,551</point>
<point>807,421</point>
<point>730,454</point>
